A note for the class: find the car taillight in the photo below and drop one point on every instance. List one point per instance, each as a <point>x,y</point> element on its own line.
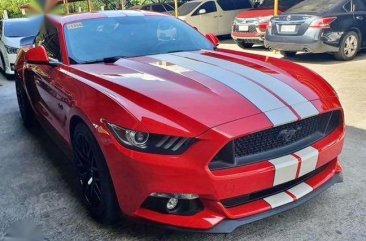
<point>263,26</point>
<point>323,23</point>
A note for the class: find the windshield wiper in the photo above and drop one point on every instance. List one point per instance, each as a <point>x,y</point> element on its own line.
<point>107,60</point>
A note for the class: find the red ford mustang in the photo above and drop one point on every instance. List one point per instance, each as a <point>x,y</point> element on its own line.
<point>166,127</point>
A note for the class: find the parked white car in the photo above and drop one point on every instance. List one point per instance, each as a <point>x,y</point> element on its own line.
<point>212,16</point>
<point>11,33</point>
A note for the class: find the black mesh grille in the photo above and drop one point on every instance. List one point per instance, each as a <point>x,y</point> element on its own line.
<point>277,141</point>
<point>252,29</point>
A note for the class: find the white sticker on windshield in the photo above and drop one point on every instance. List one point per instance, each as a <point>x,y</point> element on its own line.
<point>77,25</point>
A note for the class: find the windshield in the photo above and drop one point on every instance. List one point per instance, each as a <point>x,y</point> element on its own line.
<point>22,28</point>
<point>187,8</point>
<point>283,4</point>
<point>310,6</point>
<point>95,40</point>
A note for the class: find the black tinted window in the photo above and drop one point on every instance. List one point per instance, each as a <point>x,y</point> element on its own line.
<point>210,7</point>
<point>359,6</point>
<point>228,5</point>
<point>283,4</point>
<point>347,7</point>
<point>158,8</point>
<point>314,6</point>
<point>48,37</point>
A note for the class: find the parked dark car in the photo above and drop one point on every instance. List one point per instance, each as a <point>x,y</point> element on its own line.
<point>320,26</point>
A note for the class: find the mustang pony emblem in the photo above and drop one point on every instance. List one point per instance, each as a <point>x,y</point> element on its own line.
<point>288,134</point>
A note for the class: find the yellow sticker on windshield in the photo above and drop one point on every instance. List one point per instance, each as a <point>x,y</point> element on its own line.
<point>77,25</point>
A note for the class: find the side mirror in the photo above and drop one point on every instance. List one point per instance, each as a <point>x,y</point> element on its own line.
<point>202,11</point>
<point>37,55</point>
<point>213,39</point>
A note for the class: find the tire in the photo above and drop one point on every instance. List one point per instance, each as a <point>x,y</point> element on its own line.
<point>244,45</point>
<point>288,54</point>
<point>95,182</point>
<point>26,111</point>
<point>349,47</point>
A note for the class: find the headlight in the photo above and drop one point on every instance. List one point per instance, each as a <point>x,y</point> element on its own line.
<point>11,50</point>
<point>150,143</point>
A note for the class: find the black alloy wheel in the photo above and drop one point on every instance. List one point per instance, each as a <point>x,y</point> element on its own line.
<point>25,108</point>
<point>95,182</point>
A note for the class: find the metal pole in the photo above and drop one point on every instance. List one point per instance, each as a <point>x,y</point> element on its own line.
<point>89,6</point>
<point>275,9</point>
<point>176,8</point>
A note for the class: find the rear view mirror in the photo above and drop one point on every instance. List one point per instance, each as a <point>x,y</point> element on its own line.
<point>213,39</point>
<point>37,55</point>
<point>27,42</point>
<point>202,11</point>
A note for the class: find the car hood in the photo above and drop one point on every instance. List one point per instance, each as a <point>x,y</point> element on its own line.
<point>256,13</point>
<point>12,41</point>
<point>210,88</point>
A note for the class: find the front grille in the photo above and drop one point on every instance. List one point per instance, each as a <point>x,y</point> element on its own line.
<point>276,142</point>
<point>241,200</point>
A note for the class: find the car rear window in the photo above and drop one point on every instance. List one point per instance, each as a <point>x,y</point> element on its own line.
<point>228,5</point>
<point>314,6</point>
<point>283,4</point>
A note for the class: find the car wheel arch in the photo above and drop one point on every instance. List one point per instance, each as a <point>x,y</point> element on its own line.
<point>356,30</point>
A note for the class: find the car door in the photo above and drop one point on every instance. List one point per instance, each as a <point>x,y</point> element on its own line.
<point>359,11</point>
<point>205,18</point>
<point>49,97</point>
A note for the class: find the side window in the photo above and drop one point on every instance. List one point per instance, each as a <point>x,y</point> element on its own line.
<point>210,7</point>
<point>359,6</point>
<point>347,7</point>
<point>48,37</point>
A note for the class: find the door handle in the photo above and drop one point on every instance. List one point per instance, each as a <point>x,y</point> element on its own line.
<point>359,17</point>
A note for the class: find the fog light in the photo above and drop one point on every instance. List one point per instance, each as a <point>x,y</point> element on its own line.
<point>12,67</point>
<point>172,203</point>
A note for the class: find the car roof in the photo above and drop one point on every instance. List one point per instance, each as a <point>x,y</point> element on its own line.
<point>104,14</point>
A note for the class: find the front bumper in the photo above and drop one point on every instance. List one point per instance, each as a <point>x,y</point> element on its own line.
<point>136,175</point>
<point>228,226</point>
<point>9,64</point>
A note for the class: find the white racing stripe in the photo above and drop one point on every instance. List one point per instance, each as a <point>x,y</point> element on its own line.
<point>284,91</point>
<point>279,199</point>
<point>300,190</point>
<point>309,159</point>
<point>260,97</point>
<point>285,169</point>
